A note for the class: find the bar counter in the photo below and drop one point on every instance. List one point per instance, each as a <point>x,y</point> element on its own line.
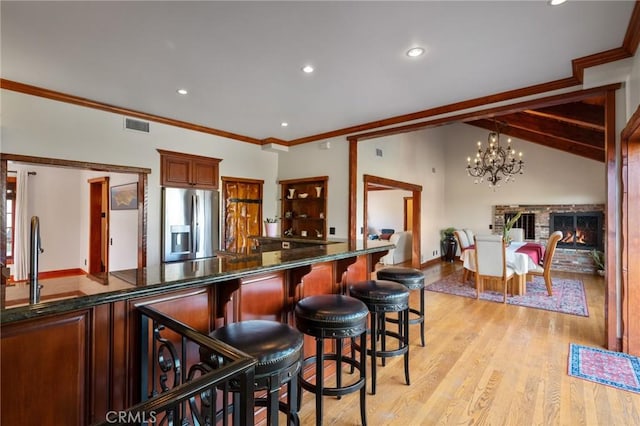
<point>83,357</point>
<point>167,277</point>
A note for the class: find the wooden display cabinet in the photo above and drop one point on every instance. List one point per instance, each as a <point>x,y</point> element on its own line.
<point>188,171</point>
<point>304,217</point>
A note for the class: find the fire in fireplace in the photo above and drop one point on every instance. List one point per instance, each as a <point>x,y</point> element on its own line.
<point>580,230</point>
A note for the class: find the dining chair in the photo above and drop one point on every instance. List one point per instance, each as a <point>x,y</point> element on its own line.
<point>516,234</point>
<point>545,269</point>
<point>465,238</point>
<point>491,263</point>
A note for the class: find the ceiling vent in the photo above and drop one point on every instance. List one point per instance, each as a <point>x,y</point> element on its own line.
<point>136,125</point>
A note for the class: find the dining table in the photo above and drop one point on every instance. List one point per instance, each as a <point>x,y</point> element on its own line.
<point>520,256</point>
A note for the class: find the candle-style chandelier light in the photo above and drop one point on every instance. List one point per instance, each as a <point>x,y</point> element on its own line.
<point>495,162</point>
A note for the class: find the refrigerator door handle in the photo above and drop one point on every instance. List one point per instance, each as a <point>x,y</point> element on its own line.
<point>196,229</point>
<point>194,234</point>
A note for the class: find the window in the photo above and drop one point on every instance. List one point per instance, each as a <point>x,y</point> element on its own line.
<point>527,222</point>
<point>11,216</point>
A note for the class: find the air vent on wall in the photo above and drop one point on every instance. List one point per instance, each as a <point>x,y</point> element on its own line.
<point>137,125</point>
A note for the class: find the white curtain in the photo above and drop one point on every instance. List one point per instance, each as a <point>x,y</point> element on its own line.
<point>22,231</point>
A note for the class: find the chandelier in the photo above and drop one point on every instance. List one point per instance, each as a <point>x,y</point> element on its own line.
<point>495,162</point>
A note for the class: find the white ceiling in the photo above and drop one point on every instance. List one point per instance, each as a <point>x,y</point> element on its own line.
<point>241,61</point>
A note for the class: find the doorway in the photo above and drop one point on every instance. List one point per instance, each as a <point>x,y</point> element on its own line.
<point>408,213</point>
<point>98,256</point>
<point>376,183</point>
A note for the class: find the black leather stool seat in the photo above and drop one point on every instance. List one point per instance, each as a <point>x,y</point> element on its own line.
<point>333,316</point>
<point>413,279</point>
<point>382,297</point>
<point>278,349</point>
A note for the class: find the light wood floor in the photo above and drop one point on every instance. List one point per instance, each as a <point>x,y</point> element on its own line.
<point>490,364</point>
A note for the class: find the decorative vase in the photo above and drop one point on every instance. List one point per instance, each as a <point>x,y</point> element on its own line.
<point>449,246</point>
<point>292,192</point>
<point>271,229</point>
<point>318,191</point>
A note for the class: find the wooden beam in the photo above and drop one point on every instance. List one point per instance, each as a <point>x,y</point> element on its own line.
<point>490,112</point>
<point>578,113</point>
<point>546,140</point>
<point>554,128</point>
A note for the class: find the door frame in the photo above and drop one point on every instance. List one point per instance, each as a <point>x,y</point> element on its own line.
<point>630,252</point>
<point>376,183</point>
<point>98,249</point>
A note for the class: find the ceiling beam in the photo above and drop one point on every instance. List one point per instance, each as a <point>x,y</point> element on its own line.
<point>578,113</point>
<point>548,127</point>
<point>550,141</point>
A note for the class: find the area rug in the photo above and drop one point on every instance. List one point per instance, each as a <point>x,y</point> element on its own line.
<point>615,369</point>
<point>568,295</point>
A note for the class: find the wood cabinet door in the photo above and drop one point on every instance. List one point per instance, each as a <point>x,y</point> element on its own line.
<point>188,171</point>
<point>204,173</point>
<point>242,200</point>
<point>46,370</point>
<point>176,171</point>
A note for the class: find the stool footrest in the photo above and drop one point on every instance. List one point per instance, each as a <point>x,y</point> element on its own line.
<point>332,391</point>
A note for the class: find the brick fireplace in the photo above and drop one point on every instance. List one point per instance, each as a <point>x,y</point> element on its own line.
<point>573,254</point>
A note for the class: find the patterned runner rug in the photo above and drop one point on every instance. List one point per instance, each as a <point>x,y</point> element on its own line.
<point>615,369</point>
<point>568,295</point>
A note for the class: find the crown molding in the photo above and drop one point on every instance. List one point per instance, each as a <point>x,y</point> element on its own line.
<point>88,103</point>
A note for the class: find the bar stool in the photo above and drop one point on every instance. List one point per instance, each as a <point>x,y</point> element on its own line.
<point>338,317</point>
<point>413,279</point>
<point>382,297</point>
<point>278,349</point>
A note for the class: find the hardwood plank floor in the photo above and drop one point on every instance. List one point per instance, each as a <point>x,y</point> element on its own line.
<point>490,364</point>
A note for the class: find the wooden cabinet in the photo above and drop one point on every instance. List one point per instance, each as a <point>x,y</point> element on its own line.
<point>188,171</point>
<point>46,370</point>
<point>304,208</point>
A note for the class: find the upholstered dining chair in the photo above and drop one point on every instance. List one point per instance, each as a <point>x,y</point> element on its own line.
<point>491,262</point>
<point>545,269</point>
<point>465,238</point>
<point>461,238</point>
<point>516,234</point>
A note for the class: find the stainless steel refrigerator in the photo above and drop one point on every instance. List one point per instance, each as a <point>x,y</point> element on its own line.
<point>190,220</point>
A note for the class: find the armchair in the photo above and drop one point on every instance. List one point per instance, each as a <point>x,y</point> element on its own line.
<point>402,251</point>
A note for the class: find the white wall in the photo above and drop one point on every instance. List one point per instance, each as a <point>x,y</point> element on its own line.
<point>308,160</point>
<point>386,210</point>
<point>60,198</point>
<point>417,158</point>
<point>45,128</point>
<point>550,177</point>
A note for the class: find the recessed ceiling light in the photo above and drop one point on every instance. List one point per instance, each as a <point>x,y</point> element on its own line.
<point>556,2</point>
<point>182,91</point>
<point>284,124</point>
<point>308,69</point>
<point>415,51</point>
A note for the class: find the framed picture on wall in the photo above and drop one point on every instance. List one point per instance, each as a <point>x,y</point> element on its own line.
<point>124,197</point>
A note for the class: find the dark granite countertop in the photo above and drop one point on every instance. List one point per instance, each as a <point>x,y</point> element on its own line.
<point>157,279</point>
